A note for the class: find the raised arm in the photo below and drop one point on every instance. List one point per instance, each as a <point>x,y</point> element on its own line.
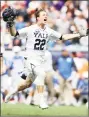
<point>9,16</point>
<point>81,33</point>
<point>13,30</point>
<point>55,35</point>
<point>70,36</point>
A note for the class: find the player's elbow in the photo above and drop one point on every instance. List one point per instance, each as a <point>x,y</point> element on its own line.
<point>12,34</point>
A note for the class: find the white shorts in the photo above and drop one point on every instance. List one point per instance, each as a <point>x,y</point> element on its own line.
<point>35,57</point>
<point>33,64</point>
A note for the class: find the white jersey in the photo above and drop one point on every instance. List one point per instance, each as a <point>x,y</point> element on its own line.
<point>37,38</point>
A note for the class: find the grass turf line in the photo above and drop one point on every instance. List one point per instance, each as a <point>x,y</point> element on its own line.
<point>26,110</point>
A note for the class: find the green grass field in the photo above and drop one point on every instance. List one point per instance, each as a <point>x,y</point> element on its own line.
<point>22,109</point>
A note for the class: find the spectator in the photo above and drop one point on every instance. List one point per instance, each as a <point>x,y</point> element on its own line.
<point>5,78</point>
<point>17,42</point>
<point>66,68</point>
<point>81,63</point>
<point>17,61</point>
<point>34,5</point>
<point>79,20</point>
<point>7,40</point>
<point>17,69</point>
<point>79,83</point>
<point>58,4</point>
<point>20,22</point>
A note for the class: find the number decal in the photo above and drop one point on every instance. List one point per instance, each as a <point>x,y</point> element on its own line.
<point>42,44</point>
<point>36,46</point>
<point>39,45</point>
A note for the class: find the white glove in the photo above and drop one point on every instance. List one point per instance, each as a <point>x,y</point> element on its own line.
<point>82,31</point>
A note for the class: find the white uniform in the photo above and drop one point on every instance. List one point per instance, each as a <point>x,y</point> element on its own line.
<point>48,62</point>
<point>37,39</point>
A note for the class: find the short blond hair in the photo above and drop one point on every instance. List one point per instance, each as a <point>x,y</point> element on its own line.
<point>37,13</point>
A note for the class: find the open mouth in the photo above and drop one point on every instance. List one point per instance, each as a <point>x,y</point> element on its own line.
<point>45,19</point>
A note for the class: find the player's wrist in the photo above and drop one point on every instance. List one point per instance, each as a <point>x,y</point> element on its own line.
<point>61,38</point>
<point>10,24</point>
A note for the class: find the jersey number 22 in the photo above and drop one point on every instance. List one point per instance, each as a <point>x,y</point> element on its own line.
<point>39,45</point>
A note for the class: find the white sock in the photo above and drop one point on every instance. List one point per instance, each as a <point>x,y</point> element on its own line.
<point>29,99</point>
<point>42,98</point>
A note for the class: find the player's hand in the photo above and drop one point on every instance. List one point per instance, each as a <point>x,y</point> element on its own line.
<point>9,14</point>
<point>82,31</point>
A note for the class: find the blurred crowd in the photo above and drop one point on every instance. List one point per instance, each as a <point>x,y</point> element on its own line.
<point>67,81</point>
